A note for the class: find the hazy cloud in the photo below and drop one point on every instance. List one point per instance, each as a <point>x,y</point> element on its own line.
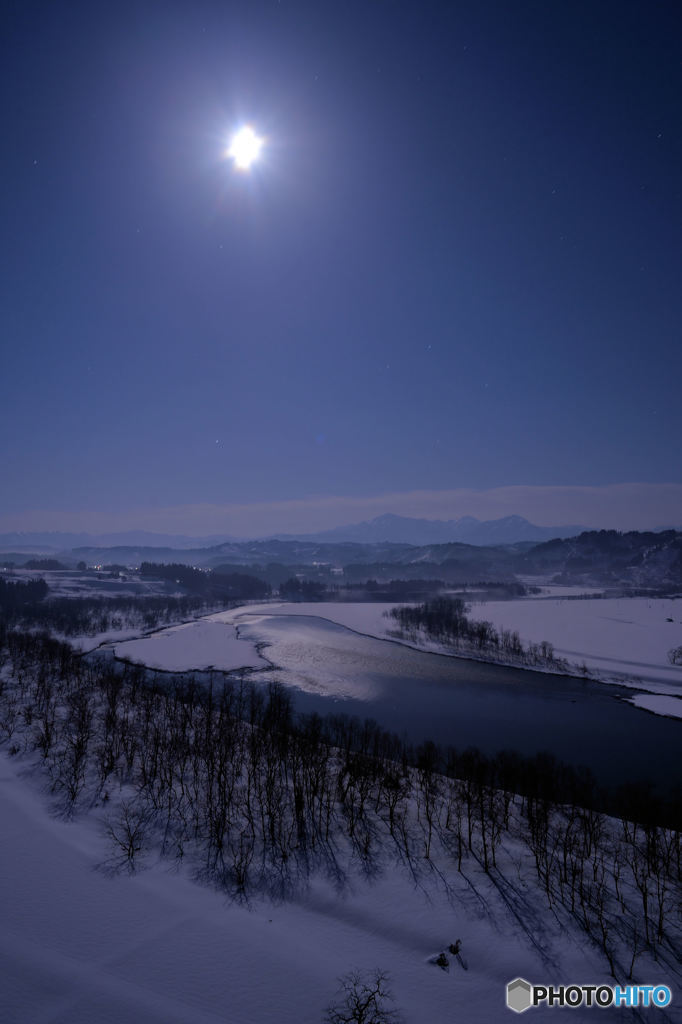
<point>618,506</point>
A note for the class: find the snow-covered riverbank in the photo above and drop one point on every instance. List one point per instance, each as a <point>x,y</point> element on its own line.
<point>623,640</point>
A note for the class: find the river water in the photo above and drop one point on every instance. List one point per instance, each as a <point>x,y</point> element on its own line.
<point>464,703</point>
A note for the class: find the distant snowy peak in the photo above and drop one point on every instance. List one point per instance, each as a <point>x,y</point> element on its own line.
<point>395,529</point>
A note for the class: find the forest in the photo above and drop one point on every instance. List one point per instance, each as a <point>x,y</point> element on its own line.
<point>236,586</point>
<point>15,595</point>
<point>29,606</point>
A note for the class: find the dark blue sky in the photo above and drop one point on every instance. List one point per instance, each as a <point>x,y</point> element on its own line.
<point>457,265</point>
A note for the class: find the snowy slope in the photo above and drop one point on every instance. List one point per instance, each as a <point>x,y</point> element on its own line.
<point>82,947</point>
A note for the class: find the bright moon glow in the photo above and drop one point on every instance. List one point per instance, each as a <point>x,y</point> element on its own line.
<point>245,148</point>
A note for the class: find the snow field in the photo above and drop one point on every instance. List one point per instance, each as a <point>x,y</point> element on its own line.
<point>624,637</point>
<point>205,643</point>
<point>658,704</point>
<point>82,947</point>
<point>364,617</point>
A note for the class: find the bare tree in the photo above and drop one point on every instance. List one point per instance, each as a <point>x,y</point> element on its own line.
<point>129,834</point>
<point>363,998</point>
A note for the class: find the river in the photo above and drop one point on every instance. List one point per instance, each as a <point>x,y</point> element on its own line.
<point>462,703</point>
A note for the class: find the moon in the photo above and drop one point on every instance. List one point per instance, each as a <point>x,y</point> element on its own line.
<point>245,148</point>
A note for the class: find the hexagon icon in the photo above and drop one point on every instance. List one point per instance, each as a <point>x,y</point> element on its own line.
<point>519,995</point>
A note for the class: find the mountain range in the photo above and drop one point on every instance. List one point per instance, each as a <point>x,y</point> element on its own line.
<point>598,557</point>
<point>466,530</point>
<point>387,528</point>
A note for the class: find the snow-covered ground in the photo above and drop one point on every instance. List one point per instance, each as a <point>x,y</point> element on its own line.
<point>85,643</point>
<point>560,589</point>
<point>627,638</point>
<point>658,703</point>
<point>207,643</point>
<point>83,946</point>
<point>80,946</point>
<point>362,617</point>
<point>91,583</point>
<point>618,639</point>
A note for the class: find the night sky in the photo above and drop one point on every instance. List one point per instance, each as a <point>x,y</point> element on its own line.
<point>456,267</point>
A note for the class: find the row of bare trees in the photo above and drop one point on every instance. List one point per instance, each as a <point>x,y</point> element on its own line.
<point>445,620</point>
<point>87,616</point>
<point>228,779</point>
